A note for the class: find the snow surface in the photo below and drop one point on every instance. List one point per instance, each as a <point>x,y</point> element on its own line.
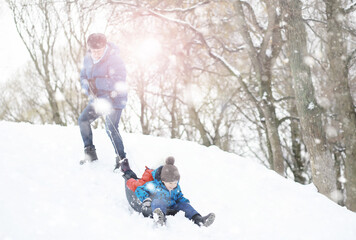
<point>46,194</point>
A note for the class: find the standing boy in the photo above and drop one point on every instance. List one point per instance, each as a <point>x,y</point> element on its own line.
<point>103,79</point>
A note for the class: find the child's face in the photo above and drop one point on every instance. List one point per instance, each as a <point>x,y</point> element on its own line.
<point>170,185</point>
<point>96,54</point>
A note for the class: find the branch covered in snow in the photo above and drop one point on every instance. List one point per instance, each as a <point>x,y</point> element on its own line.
<point>283,99</point>
<point>130,3</point>
<point>201,36</point>
<point>183,9</point>
<point>189,25</point>
<point>288,118</point>
<point>253,16</point>
<point>350,8</point>
<point>216,56</point>
<point>226,64</point>
<point>136,4</point>
<point>203,41</point>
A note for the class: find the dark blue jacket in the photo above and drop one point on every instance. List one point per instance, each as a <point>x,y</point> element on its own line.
<point>156,189</point>
<point>109,76</point>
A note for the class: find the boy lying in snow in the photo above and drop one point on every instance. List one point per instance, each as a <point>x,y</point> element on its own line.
<point>158,194</point>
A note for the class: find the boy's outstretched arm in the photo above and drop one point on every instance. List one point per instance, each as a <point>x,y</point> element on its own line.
<point>181,198</point>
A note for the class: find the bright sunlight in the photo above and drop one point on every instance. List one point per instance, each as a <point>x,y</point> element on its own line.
<point>148,49</point>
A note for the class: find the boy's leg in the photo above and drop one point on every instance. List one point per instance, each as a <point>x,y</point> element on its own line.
<point>159,211</point>
<point>193,215</point>
<point>185,207</point>
<point>85,119</point>
<point>112,129</point>
<point>158,203</point>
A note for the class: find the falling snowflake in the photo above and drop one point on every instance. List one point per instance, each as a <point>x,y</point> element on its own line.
<point>121,87</point>
<point>309,61</point>
<point>150,186</point>
<point>342,179</point>
<point>331,132</point>
<point>311,106</point>
<point>102,106</point>
<point>59,96</point>
<point>324,102</point>
<point>340,17</point>
<point>283,23</point>
<point>269,52</point>
<point>336,195</point>
<point>112,71</point>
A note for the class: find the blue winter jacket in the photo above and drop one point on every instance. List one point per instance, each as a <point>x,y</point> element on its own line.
<point>108,75</point>
<point>157,190</point>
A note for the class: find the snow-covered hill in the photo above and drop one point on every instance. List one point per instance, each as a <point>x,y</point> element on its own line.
<point>46,194</point>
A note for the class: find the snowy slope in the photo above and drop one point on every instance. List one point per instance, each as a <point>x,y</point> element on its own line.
<point>46,194</point>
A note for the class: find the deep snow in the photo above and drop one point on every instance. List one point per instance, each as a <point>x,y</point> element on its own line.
<point>46,194</point>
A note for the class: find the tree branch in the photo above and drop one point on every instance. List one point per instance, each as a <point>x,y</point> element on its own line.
<point>287,118</point>
<point>350,8</point>
<point>182,10</point>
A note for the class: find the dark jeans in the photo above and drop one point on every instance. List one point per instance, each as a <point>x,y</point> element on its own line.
<point>188,210</point>
<point>111,124</point>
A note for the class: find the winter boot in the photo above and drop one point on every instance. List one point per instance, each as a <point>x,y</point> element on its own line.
<point>159,217</point>
<point>117,166</point>
<point>89,155</point>
<point>124,164</point>
<point>203,221</point>
<point>129,174</point>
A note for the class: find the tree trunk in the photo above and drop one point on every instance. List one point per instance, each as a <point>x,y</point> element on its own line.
<point>323,166</point>
<point>143,108</point>
<point>300,166</point>
<point>273,136</point>
<point>341,117</point>
<point>262,65</point>
<point>195,120</point>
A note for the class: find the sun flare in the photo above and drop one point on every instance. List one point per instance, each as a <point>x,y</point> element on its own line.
<point>148,49</point>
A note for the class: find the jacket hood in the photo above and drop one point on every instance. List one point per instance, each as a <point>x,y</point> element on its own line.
<point>156,174</point>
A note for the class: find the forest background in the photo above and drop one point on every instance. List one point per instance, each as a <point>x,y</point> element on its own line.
<point>269,79</point>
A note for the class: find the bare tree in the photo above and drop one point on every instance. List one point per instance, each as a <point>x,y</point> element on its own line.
<point>341,111</point>
<point>39,31</point>
<point>314,136</point>
<point>21,96</point>
<point>75,19</point>
<point>262,59</point>
<point>223,62</point>
<point>186,66</point>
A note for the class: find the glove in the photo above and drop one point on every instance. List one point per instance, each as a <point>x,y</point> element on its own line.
<point>146,207</point>
<point>146,204</point>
